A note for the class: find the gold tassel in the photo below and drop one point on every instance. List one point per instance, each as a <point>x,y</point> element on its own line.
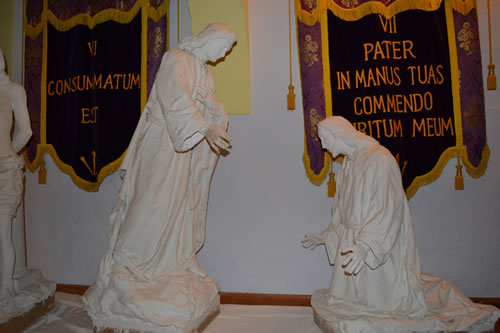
<point>42,174</point>
<point>291,97</point>
<point>459,179</point>
<point>492,79</point>
<point>332,186</point>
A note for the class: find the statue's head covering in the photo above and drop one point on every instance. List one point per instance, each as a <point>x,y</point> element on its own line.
<point>3,75</point>
<point>212,32</point>
<point>338,128</point>
<point>2,61</point>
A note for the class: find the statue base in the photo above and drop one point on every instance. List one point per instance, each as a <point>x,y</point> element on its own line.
<point>448,310</point>
<point>34,297</point>
<point>195,325</point>
<point>19,323</point>
<point>182,301</point>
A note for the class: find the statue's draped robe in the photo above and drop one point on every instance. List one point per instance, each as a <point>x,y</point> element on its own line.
<point>371,208</point>
<point>11,184</point>
<point>29,285</point>
<point>158,222</point>
<point>11,173</point>
<point>389,295</point>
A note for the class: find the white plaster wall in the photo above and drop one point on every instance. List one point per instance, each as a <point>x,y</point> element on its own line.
<point>261,202</point>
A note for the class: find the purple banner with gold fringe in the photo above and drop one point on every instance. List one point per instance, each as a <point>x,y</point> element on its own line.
<point>88,71</point>
<point>407,72</point>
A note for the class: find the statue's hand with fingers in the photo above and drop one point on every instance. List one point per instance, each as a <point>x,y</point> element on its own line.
<point>356,255</point>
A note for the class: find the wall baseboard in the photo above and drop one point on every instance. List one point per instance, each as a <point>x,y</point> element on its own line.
<point>264,299</point>
<point>261,299</point>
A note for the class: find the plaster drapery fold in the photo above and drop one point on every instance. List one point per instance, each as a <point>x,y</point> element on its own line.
<point>158,223</point>
<point>371,208</point>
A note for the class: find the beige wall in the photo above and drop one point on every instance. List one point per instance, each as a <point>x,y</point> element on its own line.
<point>7,31</point>
<point>261,202</point>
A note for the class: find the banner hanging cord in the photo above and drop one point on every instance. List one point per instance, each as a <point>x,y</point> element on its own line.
<point>291,94</point>
<point>492,79</point>
<point>178,25</point>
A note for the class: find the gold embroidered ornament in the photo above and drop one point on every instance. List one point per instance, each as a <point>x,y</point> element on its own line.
<point>468,38</point>
<point>309,51</point>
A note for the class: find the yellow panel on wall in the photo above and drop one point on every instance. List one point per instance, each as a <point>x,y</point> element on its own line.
<point>7,31</point>
<point>232,76</point>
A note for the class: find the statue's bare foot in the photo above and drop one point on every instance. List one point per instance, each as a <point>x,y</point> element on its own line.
<point>7,293</point>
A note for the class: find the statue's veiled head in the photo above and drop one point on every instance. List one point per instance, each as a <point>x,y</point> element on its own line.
<point>3,76</point>
<point>2,62</point>
<point>211,44</point>
<point>339,136</point>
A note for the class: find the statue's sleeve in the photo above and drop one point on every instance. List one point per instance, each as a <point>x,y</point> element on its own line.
<point>384,211</point>
<point>174,85</point>
<point>330,235</point>
<point>331,243</point>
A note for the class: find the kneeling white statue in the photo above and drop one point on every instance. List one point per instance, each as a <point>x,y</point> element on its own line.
<point>23,292</point>
<point>149,280</point>
<point>376,284</point>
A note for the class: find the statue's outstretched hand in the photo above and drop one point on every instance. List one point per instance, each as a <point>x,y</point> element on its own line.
<point>217,138</point>
<point>312,240</point>
<point>356,259</point>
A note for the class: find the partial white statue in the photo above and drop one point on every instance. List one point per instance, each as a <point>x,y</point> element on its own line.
<point>150,274</point>
<point>19,290</point>
<point>376,283</point>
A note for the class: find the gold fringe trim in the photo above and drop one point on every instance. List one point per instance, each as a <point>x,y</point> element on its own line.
<point>157,14</point>
<point>101,17</point>
<point>43,82</point>
<point>327,85</point>
<point>455,89</point>
<point>452,152</point>
<point>144,57</point>
<point>316,179</point>
<point>476,172</point>
<point>367,8</point>
<point>68,169</point>
<point>37,161</point>
<point>463,6</point>
<point>91,21</point>
<point>30,31</point>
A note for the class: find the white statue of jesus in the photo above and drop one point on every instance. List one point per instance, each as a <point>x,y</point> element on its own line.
<point>376,283</point>
<point>150,273</point>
